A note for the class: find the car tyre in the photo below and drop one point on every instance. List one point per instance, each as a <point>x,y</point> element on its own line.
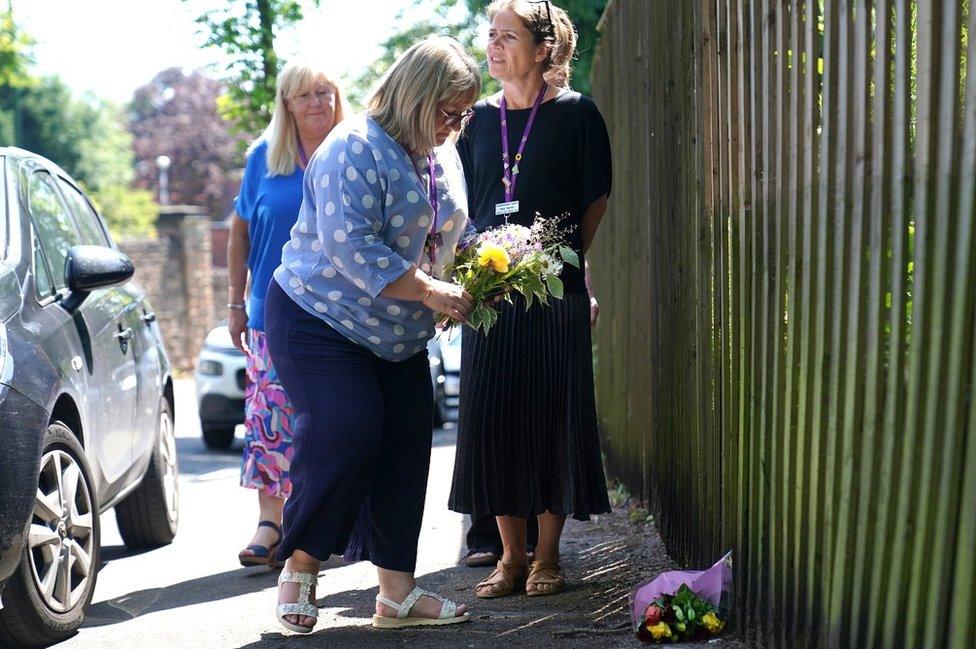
<point>32,617</point>
<point>218,438</point>
<point>149,516</point>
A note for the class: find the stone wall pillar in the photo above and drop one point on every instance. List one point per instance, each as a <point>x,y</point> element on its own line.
<point>186,231</point>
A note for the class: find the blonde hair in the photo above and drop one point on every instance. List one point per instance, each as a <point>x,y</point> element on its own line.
<point>559,38</point>
<point>282,131</point>
<point>405,101</point>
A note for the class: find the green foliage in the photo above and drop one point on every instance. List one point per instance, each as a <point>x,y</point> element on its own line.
<point>15,53</point>
<point>49,125</point>
<point>88,139</point>
<point>128,212</point>
<point>450,18</point>
<point>466,21</point>
<point>585,15</point>
<point>246,32</point>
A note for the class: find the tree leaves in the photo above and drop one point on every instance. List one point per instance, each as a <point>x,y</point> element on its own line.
<point>246,31</point>
<point>175,115</point>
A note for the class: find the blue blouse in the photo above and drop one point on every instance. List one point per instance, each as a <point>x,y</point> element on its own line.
<point>270,205</point>
<point>364,220</point>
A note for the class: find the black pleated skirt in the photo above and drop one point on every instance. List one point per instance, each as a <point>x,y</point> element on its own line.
<point>527,428</point>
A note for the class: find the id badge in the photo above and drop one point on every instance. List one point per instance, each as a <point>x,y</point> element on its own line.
<point>510,207</point>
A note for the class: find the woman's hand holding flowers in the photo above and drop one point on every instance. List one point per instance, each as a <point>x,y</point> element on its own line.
<point>450,299</point>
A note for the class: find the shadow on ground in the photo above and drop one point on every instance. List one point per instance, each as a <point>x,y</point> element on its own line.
<point>222,585</point>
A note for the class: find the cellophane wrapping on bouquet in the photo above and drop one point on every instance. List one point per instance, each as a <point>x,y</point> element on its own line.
<point>713,586</point>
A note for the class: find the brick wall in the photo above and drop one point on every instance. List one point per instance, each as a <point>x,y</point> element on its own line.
<point>176,273</point>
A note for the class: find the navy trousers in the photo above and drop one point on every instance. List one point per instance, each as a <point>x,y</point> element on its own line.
<point>361,442</point>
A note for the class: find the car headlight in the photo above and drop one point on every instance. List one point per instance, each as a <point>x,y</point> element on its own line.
<point>210,368</point>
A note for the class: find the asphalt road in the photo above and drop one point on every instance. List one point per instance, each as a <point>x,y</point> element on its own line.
<point>193,593</point>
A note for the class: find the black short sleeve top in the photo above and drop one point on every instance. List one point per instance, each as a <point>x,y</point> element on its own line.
<point>566,166</point>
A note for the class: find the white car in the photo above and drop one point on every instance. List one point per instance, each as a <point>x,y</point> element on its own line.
<point>220,378</point>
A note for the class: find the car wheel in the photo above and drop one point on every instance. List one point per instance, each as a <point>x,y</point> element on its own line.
<point>46,597</point>
<point>148,517</point>
<point>218,438</point>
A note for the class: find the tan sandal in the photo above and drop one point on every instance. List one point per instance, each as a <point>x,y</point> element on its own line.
<point>512,577</point>
<point>546,573</point>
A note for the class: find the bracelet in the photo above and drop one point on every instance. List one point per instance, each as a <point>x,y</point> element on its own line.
<point>423,300</point>
<point>239,307</point>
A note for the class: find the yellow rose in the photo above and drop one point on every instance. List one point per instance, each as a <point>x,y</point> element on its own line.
<point>712,623</point>
<point>660,630</point>
<point>490,254</point>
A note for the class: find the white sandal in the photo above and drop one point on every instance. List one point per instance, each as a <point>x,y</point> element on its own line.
<point>447,616</point>
<point>303,606</point>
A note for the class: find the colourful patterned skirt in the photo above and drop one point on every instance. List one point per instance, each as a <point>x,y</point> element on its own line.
<point>268,424</point>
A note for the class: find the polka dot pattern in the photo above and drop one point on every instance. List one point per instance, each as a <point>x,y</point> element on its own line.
<point>383,209</point>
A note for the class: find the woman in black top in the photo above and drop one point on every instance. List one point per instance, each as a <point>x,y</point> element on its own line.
<point>528,442</point>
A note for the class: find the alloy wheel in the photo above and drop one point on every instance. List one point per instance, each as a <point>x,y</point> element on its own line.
<point>60,539</point>
<point>171,471</point>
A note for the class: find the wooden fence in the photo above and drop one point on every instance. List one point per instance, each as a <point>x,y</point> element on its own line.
<point>788,275</point>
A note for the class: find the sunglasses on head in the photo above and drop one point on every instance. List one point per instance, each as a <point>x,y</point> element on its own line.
<point>550,31</point>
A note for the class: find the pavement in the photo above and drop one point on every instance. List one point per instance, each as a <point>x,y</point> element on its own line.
<point>193,593</point>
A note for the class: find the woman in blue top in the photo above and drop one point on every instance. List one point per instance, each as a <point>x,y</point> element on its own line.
<point>307,106</point>
<point>348,318</point>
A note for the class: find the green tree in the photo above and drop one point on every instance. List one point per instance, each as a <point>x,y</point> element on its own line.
<point>246,32</point>
<point>15,61</point>
<point>466,20</point>
<point>585,15</point>
<point>449,18</point>
<point>88,139</point>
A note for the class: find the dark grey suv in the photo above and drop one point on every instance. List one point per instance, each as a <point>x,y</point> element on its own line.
<point>86,403</point>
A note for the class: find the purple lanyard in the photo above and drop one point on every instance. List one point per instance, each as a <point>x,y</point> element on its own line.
<point>301,152</point>
<point>433,237</point>
<point>510,174</point>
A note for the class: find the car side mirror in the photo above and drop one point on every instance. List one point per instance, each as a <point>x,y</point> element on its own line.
<point>87,268</point>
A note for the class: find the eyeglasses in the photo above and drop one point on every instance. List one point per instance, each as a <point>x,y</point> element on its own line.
<point>323,96</point>
<point>453,119</point>
<point>551,31</point>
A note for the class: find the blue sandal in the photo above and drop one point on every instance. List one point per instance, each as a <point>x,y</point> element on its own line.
<point>263,556</point>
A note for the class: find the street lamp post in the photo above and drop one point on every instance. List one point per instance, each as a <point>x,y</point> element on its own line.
<point>163,162</point>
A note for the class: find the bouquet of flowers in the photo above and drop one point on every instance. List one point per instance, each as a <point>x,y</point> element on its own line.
<point>511,257</point>
<point>683,604</point>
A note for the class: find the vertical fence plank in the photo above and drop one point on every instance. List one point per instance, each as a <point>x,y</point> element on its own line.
<point>962,622</point>
<point>950,305</point>
<point>875,446</point>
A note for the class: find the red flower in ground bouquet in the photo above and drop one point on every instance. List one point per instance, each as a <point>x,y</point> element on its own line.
<point>652,615</point>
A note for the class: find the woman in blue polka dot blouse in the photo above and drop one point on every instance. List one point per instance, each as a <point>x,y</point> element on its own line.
<point>348,317</point>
